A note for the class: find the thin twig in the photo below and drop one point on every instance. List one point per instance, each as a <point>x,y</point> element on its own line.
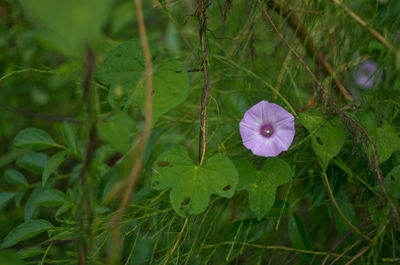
<point>330,193</point>
<point>26,70</point>
<point>85,212</point>
<point>364,249</point>
<point>165,8</point>
<point>141,144</point>
<point>352,246</point>
<point>284,248</point>
<point>341,240</point>
<point>206,75</point>
<point>177,241</point>
<point>88,76</point>
<point>43,116</point>
<point>365,25</point>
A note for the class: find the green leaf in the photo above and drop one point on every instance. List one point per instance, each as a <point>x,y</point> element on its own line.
<point>70,136</point>
<point>33,161</point>
<point>117,131</point>
<point>385,137</point>
<point>15,177</point>
<point>392,182</point>
<point>30,205</point>
<point>33,138</point>
<point>62,209</point>
<point>70,25</point>
<point>123,71</point>
<point>261,185</point>
<point>348,210</point>
<point>31,252</point>
<point>327,136</point>
<point>388,141</point>
<point>52,165</point>
<point>5,198</point>
<point>10,257</point>
<point>19,196</point>
<point>122,16</point>
<point>299,236</point>
<point>192,185</point>
<point>25,231</point>
<point>51,198</point>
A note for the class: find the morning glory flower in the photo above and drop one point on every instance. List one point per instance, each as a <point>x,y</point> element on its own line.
<point>367,74</point>
<point>267,129</point>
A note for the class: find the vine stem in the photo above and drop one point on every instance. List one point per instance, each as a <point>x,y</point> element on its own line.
<point>138,147</point>
<point>339,210</point>
<point>206,76</point>
<point>177,241</point>
<point>341,240</point>
<point>84,204</point>
<point>275,248</point>
<point>364,249</point>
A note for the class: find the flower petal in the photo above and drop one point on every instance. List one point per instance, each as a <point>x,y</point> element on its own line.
<point>274,115</point>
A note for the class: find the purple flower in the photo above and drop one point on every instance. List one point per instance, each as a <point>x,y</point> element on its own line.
<point>367,74</point>
<point>267,129</point>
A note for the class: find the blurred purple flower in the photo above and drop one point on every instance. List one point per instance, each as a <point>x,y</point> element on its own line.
<point>367,74</point>
<point>267,129</point>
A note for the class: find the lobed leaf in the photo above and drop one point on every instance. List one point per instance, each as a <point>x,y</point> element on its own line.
<point>192,185</point>
<point>327,136</point>
<point>261,185</point>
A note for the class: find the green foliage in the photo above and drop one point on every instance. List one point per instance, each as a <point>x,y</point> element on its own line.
<point>5,197</point>
<point>52,165</point>
<point>123,71</point>
<point>382,133</point>
<point>117,132</point>
<point>327,136</point>
<point>262,184</point>
<point>299,236</point>
<point>15,177</point>
<point>69,25</point>
<point>392,182</point>
<point>192,185</point>
<point>10,257</point>
<point>70,137</point>
<point>25,231</point>
<point>72,129</point>
<point>33,138</point>
<point>50,198</point>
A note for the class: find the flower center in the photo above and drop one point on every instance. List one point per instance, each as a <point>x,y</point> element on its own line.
<point>267,130</point>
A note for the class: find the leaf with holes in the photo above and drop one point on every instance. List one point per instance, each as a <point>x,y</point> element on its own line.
<point>192,185</point>
<point>382,133</point>
<point>392,182</point>
<point>327,136</point>
<point>261,185</point>
<point>123,71</point>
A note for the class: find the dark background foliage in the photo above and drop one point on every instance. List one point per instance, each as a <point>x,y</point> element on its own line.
<point>72,117</point>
